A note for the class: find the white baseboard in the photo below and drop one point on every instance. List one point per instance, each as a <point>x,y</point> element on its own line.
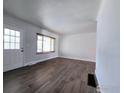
<point>11,67</point>
<point>41,60</point>
<point>37,61</point>
<point>83,59</point>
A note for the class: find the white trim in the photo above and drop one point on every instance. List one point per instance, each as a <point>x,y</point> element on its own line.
<point>37,61</point>
<point>8,68</point>
<point>41,60</point>
<point>83,59</point>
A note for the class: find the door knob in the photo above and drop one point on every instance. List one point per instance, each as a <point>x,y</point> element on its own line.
<point>22,50</point>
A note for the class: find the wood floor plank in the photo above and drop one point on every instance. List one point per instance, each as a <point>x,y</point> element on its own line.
<point>58,75</point>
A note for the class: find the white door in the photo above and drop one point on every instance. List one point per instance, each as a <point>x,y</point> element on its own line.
<point>13,49</point>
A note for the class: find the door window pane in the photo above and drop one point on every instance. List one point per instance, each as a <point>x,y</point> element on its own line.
<point>12,45</point>
<point>6,38</point>
<point>6,31</point>
<point>17,33</point>
<point>11,39</point>
<point>6,46</point>
<point>17,39</point>
<point>12,33</point>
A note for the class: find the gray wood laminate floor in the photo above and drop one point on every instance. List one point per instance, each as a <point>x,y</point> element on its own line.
<point>58,75</point>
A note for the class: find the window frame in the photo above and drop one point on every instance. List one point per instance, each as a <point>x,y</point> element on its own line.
<point>42,43</point>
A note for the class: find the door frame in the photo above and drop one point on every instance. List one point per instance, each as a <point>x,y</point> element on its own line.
<point>21,43</point>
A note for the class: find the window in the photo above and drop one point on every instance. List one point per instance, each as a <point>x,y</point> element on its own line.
<point>39,43</point>
<point>11,39</point>
<point>52,44</point>
<point>45,44</point>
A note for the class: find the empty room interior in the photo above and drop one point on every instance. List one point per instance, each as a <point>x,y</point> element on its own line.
<point>61,46</point>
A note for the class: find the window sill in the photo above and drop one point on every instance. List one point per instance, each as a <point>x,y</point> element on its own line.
<point>45,52</point>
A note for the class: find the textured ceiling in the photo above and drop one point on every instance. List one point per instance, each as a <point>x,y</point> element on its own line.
<point>60,16</point>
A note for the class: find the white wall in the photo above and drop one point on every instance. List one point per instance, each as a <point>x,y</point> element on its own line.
<point>108,55</point>
<point>80,46</point>
<point>29,32</point>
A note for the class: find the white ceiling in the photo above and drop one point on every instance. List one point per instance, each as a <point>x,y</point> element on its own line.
<point>60,16</point>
